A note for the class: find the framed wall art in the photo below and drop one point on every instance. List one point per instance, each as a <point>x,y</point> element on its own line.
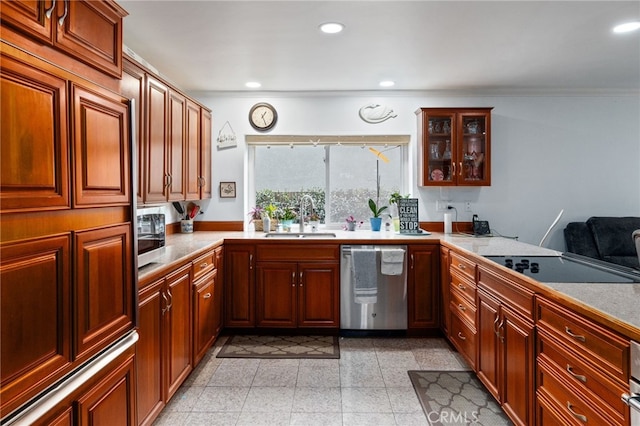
<point>227,190</point>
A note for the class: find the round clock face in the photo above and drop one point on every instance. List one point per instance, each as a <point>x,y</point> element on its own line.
<point>262,116</point>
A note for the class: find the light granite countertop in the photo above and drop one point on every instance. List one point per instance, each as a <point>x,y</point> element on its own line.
<point>616,304</point>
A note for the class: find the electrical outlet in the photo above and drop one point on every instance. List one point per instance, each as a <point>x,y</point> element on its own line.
<point>441,205</point>
<point>467,206</point>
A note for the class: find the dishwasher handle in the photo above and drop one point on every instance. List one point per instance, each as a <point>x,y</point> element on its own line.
<point>632,400</point>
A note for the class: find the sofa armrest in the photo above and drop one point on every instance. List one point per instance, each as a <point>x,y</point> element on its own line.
<point>579,240</point>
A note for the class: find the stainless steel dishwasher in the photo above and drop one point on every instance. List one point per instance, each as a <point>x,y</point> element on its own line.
<point>373,287</point>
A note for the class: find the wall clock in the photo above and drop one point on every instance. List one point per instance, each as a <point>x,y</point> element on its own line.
<point>263,116</point>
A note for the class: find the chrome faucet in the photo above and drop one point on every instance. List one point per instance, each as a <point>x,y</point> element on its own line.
<point>302,204</point>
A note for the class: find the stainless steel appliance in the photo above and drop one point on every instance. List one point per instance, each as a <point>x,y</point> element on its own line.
<point>633,397</point>
<point>568,268</point>
<point>373,291</point>
<point>151,237</point>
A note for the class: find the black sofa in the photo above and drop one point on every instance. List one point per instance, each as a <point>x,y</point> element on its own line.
<point>604,238</point>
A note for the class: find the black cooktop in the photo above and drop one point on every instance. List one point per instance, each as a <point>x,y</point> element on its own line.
<point>568,268</point>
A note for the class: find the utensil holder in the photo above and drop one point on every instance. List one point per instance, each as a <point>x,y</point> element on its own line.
<point>186,226</point>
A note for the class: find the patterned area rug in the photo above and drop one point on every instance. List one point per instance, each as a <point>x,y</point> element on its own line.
<point>456,398</point>
<point>281,347</point>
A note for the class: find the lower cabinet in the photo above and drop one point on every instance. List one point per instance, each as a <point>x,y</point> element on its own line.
<point>445,280</point>
<point>290,294</point>
<point>204,314</point>
<point>163,354</point>
<point>423,287</point>
<point>506,345</point>
<point>239,287</point>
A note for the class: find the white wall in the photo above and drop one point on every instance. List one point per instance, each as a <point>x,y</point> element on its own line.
<point>580,153</point>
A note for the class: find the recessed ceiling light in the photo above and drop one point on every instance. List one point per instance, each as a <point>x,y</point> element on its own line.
<point>627,27</point>
<point>331,27</point>
<point>252,84</point>
<point>387,83</point>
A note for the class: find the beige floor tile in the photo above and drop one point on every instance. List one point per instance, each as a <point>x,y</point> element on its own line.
<point>227,398</point>
<point>361,376</point>
<point>324,377</point>
<point>316,419</point>
<point>269,399</point>
<point>368,419</point>
<point>365,400</point>
<point>275,418</point>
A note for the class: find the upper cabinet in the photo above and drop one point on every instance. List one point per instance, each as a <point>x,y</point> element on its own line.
<point>173,135</point>
<point>454,146</point>
<point>90,31</point>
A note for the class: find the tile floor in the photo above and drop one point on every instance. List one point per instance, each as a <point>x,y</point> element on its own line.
<point>368,385</point>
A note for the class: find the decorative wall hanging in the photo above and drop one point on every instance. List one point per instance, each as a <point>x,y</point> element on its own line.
<point>227,190</point>
<point>375,113</point>
<point>226,136</point>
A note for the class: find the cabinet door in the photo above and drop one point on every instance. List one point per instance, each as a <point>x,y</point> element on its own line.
<point>192,153</point>
<point>489,343</point>
<point>218,292</point>
<point>438,148</point>
<point>517,361</point>
<point>35,320</point>
<point>176,148</point>
<point>204,323</point>
<point>157,176</point>
<point>34,120</point>
<point>276,285</point>
<point>205,154</point>
<point>103,290</point>
<point>473,148</point>
<point>318,295</point>
<point>30,17</point>
<point>178,329</point>
<point>445,285</point>
<point>422,287</point>
<point>91,31</point>
<point>239,285</point>
<point>132,87</point>
<point>152,304</point>
<point>101,148</point>
<point>111,401</point>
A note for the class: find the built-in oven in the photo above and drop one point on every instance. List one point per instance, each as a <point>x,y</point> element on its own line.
<point>151,237</point>
<point>633,397</point>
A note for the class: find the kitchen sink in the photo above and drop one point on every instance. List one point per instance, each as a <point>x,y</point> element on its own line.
<point>300,235</point>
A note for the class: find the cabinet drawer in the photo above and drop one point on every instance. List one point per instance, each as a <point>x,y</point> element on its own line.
<point>297,252</point>
<point>463,266</point>
<point>463,308</point>
<point>603,348</point>
<point>572,370</point>
<point>465,287</point>
<point>204,264</point>
<point>518,298</point>
<point>569,403</point>
<point>463,338</point>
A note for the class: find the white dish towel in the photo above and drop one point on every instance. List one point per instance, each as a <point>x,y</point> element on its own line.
<point>392,261</point>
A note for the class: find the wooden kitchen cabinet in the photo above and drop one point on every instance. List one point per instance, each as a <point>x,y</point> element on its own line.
<point>582,368</point>
<point>461,309</point>
<point>33,183</point>
<point>445,282</point>
<point>192,153</point>
<point>207,302</point>
<point>239,286</point>
<point>204,180</point>
<point>297,295</point>
<point>422,288</point>
<point>506,344</point>
<point>156,127</point>
<point>132,86</point>
<point>454,146</point>
<point>164,351</point>
<point>176,147</point>
<point>90,31</point>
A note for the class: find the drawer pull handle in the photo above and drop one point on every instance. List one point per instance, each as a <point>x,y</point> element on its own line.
<point>206,296</point>
<point>575,336</point>
<point>496,326</point>
<point>203,265</point>
<point>576,376</point>
<point>462,287</point>
<point>462,308</point>
<point>460,336</point>
<point>49,11</point>
<point>461,266</point>
<point>580,417</point>
<point>293,279</point>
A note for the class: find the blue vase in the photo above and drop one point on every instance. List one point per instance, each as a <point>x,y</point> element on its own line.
<point>376,223</point>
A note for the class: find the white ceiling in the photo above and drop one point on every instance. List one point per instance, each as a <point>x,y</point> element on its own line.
<point>421,45</point>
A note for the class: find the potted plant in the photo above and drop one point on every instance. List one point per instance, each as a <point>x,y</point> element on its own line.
<point>255,217</point>
<point>351,223</point>
<point>287,218</point>
<point>376,220</point>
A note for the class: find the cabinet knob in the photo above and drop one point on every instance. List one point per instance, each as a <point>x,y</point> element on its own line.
<point>461,286</point>
<point>462,308</point>
<point>301,279</point>
<point>293,279</point>
<point>460,336</point>
<point>204,265</point>
<point>580,417</point>
<point>206,296</point>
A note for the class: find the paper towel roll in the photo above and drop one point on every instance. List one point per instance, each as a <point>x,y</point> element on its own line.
<point>447,223</point>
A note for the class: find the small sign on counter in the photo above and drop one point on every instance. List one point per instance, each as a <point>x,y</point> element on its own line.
<point>408,214</point>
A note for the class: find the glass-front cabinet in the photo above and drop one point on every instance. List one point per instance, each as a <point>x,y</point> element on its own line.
<point>454,146</point>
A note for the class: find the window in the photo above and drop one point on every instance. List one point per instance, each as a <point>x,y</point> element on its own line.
<point>340,177</point>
